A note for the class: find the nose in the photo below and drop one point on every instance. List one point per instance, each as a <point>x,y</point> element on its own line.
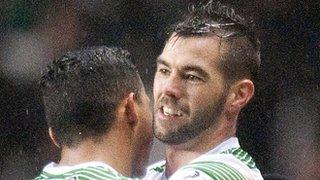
<point>173,87</point>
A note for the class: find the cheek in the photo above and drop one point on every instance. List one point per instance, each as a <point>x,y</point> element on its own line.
<point>148,117</point>
<point>149,124</point>
<point>146,134</point>
<point>157,84</point>
<point>201,97</point>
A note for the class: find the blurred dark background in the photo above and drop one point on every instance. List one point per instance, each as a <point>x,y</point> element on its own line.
<point>280,128</point>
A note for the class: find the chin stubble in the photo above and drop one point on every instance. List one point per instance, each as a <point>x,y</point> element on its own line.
<point>204,119</point>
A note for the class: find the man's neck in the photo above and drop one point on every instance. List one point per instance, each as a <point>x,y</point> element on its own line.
<point>109,153</point>
<point>180,155</point>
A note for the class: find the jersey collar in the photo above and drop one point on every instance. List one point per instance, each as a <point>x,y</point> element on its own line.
<point>230,143</point>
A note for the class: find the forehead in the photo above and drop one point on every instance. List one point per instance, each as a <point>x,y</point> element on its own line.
<point>200,51</point>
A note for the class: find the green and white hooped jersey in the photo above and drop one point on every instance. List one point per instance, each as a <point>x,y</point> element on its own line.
<point>85,171</point>
<point>227,161</point>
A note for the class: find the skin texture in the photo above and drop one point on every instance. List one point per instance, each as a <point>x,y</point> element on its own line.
<point>195,109</point>
<point>128,138</point>
<point>187,81</point>
<point>142,142</point>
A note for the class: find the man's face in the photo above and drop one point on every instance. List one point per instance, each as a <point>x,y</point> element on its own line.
<point>189,91</point>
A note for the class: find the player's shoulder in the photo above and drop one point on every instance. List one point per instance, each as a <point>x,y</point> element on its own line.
<point>234,163</point>
<point>90,170</point>
<point>206,170</point>
<point>241,155</point>
<point>231,164</point>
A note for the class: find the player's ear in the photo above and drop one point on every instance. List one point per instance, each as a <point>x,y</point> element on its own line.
<point>131,109</point>
<point>53,137</point>
<point>240,94</point>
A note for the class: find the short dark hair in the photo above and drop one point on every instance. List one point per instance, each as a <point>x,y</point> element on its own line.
<point>216,19</point>
<point>81,91</point>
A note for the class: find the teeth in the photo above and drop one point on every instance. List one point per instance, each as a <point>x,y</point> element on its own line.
<point>167,111</point>
<point>170,112</point>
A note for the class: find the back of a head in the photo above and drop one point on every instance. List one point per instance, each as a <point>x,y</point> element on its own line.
<point>81,91</point>
<point>240,47</point>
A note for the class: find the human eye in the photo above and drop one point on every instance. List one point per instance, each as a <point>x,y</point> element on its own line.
<point>163,70</point>
<point>192,77</point>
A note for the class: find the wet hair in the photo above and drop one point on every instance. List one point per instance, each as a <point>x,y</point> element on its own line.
<point>81,91</point>
<point>242,58</point>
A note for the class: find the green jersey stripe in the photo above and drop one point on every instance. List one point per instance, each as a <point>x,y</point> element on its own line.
<point>246,158</point>
<point>86,177</point>
<point>44,173</point>
<point>221,169</point>
<point>90,174</point>
<point>229,173</point>
<point>209,171</point>
<point>212,174</point>
<point>249,162</point>
<point>239,153</point>
<point>242,156</point>
<point>159,169</point>
<point>80,175</point>
<point>102,174</point>
<point>53,177</point>
<point>232,171</point>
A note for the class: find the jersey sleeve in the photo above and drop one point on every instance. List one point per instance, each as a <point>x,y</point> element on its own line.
<point>207,171</point>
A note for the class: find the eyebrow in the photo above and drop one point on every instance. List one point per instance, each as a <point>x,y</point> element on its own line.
<point>195,68</point>
<point>160,61</point>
